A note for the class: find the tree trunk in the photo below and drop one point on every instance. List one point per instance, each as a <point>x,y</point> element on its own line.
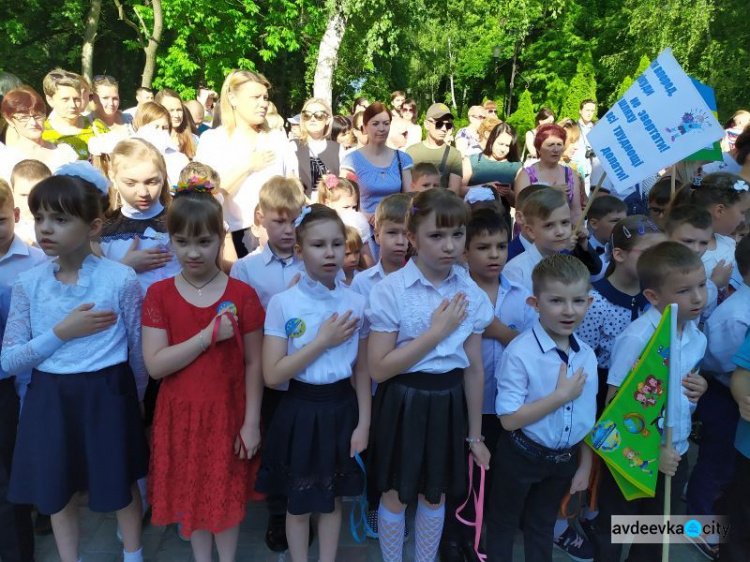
<point>512,78</point>
<point>153,44</point>
<point>89,35</point>
<point>328,54</point>
<point>450,65</point>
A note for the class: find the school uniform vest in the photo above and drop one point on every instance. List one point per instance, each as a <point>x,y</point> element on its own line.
<point>329,156</point>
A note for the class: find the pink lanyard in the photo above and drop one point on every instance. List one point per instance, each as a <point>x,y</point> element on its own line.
<point>235,329</point>
<point>478,506</point>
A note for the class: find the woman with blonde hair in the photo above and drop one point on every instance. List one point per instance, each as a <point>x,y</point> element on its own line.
<point>316,154</point>
<point>244,151</point>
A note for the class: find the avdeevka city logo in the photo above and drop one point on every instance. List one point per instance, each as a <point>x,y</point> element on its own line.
<point>693,528</point>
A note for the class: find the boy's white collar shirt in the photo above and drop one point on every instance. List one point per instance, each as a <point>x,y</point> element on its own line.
<point>725,331</point>
<point>512,310</point>
<point>628,348</point>
<point>404,302</point>
<point>518,270</point>
<point>19,258</point>
<point>365,280</point>
<point>528,372</point>
<point>267,273</point>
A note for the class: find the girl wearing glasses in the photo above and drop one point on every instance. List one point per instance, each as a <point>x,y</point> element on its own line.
<point>24,112</point>
<point>66,124</point>
<point>317,155</point>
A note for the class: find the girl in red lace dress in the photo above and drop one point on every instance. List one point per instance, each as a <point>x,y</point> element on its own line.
<point>203,334</point>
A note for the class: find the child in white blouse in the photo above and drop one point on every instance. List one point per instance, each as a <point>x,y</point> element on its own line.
<point>425,352</point>
<point>546,402</point>
<point>314,339</point>
<point>76,322</point>
<point>727,197</point>
<point>669,273</point>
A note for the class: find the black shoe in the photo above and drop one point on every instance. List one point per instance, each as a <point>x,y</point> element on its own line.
<point>276,533</point>
<point>451,551</point>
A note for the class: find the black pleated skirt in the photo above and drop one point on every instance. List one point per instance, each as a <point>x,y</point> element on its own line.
<point>77,433</point>
<point>417,437</point>
<point>306,450</point>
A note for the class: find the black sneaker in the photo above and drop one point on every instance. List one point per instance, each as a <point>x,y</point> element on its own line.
<point>575,545</point>
<point>590,528</point>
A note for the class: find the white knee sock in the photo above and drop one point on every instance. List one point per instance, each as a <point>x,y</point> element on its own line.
<point>428,529</point>
<point>391,534</point>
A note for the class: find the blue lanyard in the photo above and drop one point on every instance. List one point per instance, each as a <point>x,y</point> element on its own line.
<point>358,524</point>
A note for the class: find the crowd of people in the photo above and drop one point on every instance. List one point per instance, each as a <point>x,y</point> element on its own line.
<point>206,303</point>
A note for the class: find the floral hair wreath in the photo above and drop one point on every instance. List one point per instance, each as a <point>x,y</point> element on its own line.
<point>305,211</point>
<point>331,181</point>
<point>195,184</point>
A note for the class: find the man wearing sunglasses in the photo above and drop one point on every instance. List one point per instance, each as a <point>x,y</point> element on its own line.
<point>438,124</point>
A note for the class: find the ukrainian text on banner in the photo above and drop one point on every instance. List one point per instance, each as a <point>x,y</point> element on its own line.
<point>628,435</point>
<point>661,119</point>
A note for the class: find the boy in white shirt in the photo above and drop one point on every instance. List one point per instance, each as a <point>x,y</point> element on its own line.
<point>725,332</point>
<point>546,216</point>
<point>17,540</point>
<point>271,270</point>
<point>546,402</point>
<point>669,273</point>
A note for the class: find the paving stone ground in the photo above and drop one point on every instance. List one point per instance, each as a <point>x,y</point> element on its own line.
<point>161,544</point>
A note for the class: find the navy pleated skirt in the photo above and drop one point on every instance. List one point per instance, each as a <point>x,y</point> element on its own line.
<point>306,451</point>
<point>417,436</point>
<point>79,433</point>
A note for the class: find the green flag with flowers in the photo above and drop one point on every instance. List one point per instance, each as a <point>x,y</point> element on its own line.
<point>628,435</point>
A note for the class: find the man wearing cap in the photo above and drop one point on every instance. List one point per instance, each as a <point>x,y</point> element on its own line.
<point>438,122</point>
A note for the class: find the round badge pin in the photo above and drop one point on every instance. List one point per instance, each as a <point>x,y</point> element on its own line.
<point>295,327</point>
<point>227,305</point>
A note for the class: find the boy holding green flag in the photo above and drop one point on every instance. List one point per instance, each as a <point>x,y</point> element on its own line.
<point>669,273</point>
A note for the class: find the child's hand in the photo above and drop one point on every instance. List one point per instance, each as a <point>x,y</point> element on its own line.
<point>360,440</point>
<point>261,159</point>
<point>83,321</point>
<point>694,385</point>
<point>568,389</point>
<point>721,274</point>
<point>580,482</point>
<point>481,454</point>
<point>668,461</point>
<point>250,436</point>
<point>337,329</point>
<point>449,315</point>
<point>145,260</point>
<point>226,328</point>
<point>581,238</point>
<point>744,405</point>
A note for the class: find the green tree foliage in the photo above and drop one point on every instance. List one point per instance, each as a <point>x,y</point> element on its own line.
<point>564,50</point>
<point>523,118</point>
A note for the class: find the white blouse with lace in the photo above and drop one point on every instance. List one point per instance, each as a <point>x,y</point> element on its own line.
<point>39,302</point>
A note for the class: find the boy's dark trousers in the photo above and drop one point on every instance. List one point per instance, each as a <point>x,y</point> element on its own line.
<point>612,502</point>
<point>16,530</point>
<point>737,549</point>
<point>713,470</point>
<point>528,487</point>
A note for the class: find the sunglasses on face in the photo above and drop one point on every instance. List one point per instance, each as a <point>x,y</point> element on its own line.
<point>493,111</point>
<point>100,77</point>
<point>447,125</point>
<point>317,115</point>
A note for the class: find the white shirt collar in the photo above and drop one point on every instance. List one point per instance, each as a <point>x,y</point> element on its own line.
<point>412,274</point>
<point>317,289</point>
<point>546,343</point>
<point>269,255</point>
<point>133,213</point>
<point>17,248</point>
